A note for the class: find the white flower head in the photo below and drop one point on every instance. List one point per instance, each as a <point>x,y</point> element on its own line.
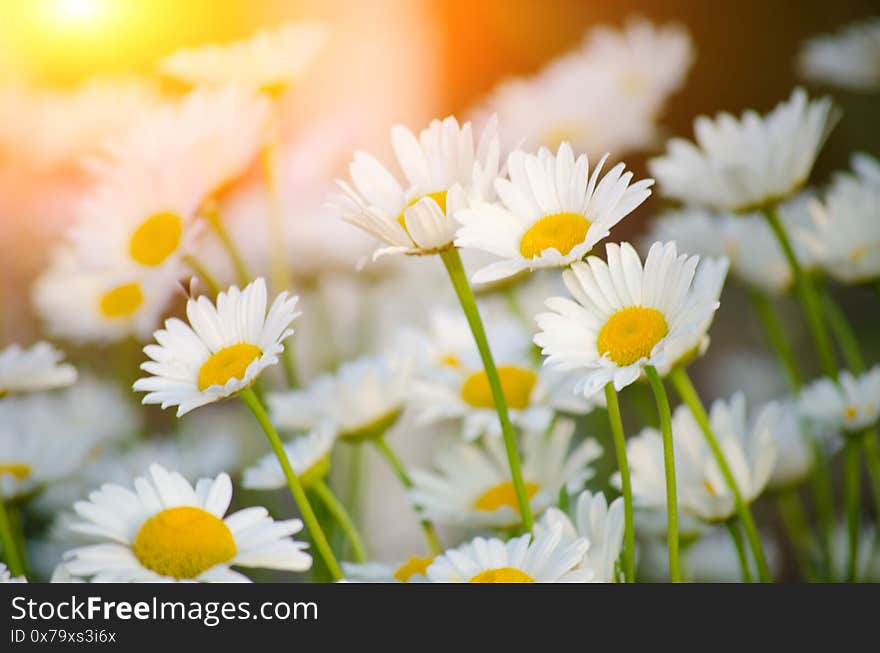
<point>7,577</point>
<point>411,570</point>
<point>220,352</point>
<point>795,455</point>
<point>168,530</point>
<point>849,58</point>
<point>309,456</point>
<point>38,367</point>
<point>851,404</point>
<point>866,167</point>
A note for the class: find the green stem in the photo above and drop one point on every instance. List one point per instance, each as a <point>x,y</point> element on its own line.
<point>773,328</point>
<point>277,258</point>
<point>215,219</point>
<point>669,467</point>
<point>872,460</point>
<point>736,536</point>
<point>629,547</point>
<point>203,274</point>
<point>851,494</point>
<point>794,520</point>
<point>10,545</point>
<point>335,507</point>
<point>685,389</point>
<point>288,363</point>
<point>807,294</point>
<point>296,489</point>
<point>400,471</point>
<point>458,277</point>
<point>824,505</point>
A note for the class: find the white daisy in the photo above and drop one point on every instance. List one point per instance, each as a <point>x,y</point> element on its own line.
<point>850,405</point>
<point>221,351</point>
<point>598,523</point>
<point>309,456</point>
<point>623,316</point>
<point>38,367</point>
<point>746,163</point>
<point>750,450</point>
<point>548,558</point>
<point>269,60</point>
<point>552,211</point>
<point>363,399</point>
<point>694,230</point>
<point>713,558</point>
<point>411,570</point>
<point>444,169</point>
<point>472,483</point>
<point>7,577</point>
<point>866,167</point>
<point>166,530</point>
<point>795,456</point>
<point>849,58</point>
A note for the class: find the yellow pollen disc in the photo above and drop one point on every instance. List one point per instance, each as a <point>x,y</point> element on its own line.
<point>710,488</point>
<point>564,131</point>
<point>412,567</point>
<point>503,494</point>
<point>450,360</point>
<point>858,254</point>
<point>850,412</point>
<point>17,470</point>
<point>228,363</point>
<point>634,83</point>
<point>438,196</point>
<point>631,333</point>
<point>517,384</point>
<point>183,542</point>
<point>156,239</point>
<point>559,231</point>
<point>121,301</point>
<point>502,575</point>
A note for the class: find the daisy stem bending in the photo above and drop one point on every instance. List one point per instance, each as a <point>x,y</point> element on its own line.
<point>629,547</point>
<point>212,213</point>
<point>10,545</point>
<point>791,509</point>
<point>458,277</point>
<point>851,493</point>
<point>778,341</point>
<point>335,507</point>
<point>296,490</point>
<point>807,293</point>
<point>669,467</point>
<point>685,389</point>
<point>736,536</point>
<point>430,534</point>
<point>203,274</point>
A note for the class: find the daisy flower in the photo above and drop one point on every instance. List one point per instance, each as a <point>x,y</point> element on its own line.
<point>747,163</point>
<point>309,456</point>
<point>598,523</point>
<point>549,558</point>
<point>866,167</point>
<point>269,60</point>
<point>852,404</point>
<point>411,570</point>
<point>850,58</point>
<point>702,490</point>
<point>693,229</point>
<point>166,530</point>
<point>7,577</point>
<point>552,211</point>
<point>444,169</point>
<point>472,483</point>
<point>795,456</point>
<point>624,316</point>
<point>713,558</point>
<point>38,367</point>
<point>220,352</point>
<point>363,399</point>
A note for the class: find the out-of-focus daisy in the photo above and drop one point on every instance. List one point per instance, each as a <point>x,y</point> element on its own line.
<point>549,558</point>
<point>309,456</point>
<point>868,560</point>
<point>269,60</point>
<point>363,399</point>
<point>749,448</point>
<point>38,367</point>
<point>713,558</point>
<point>795,456</point>
<point>552,212</point>
<point>220,352</point>
<point>7,577</point>
<point>694,230</point>
<point>623,316</point>
<point>166,530</point>
<point>472,483</point>
<point>444,170</point>
<point>411,570</point>
<point>866,167</point>
<point>601,525</point>
<point>849,58</point>
<point>746,163</point>
<point>850,405</point>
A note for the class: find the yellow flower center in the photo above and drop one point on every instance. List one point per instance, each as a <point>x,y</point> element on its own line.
<point>517,384</point>
<point>412,567</point>
<point>156,239</point>
<point>438,196</point>
<point>850,413</point>
<point>858,254</point>
<point>564,132</point>
<point>502,575</point>
<point>631,333</point>
<point>503,494</point>
<point>17,470</point>
<point>633,83</point>
<point>710,488</point>
<point>450,360</point>
<point>121,301</point>
<point>559,231</point>
<point>230,362</point>
<point>183,542</point>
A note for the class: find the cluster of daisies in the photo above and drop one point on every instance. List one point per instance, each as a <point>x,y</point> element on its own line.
<point>508,359</point>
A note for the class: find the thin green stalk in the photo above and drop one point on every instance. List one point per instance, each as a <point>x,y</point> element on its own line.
<point>10,546</point>
<point>851,494</point>
<point>277,259</point>
<point>778,341</point>
<point>685,389</point>
<point>400,471</point>
<point>215,219</point>
<point>794,520</point>
<point>872,460</point>
<point>629,546</point>
<point>335,507</point>
<point>736,536</point>
<point>296,490</point>
<point>458,277</point>
<point>288,363</point>
<point>203,274</point>
<point>824,501</point>
<point>807,294</point>
<point>669,467</point>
